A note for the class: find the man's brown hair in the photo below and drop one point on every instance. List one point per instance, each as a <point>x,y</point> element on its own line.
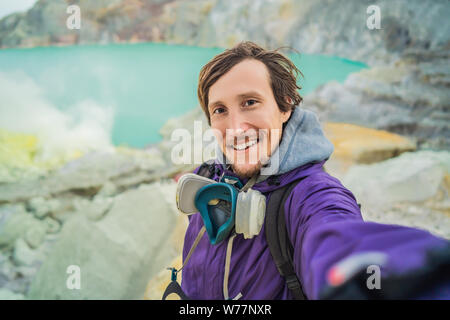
<point>282,72</point>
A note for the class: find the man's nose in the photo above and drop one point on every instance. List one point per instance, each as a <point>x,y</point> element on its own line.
<point>238,122</point>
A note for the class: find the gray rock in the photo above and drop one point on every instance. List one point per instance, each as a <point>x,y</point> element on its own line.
<point>16,223</point>
<point>23,255</point>
<point>6,266</point>
<point>325,27</point>
<point>401,98</point>
<point>6,211</point>
<point>86,176</point>
<point>96,209</point>
<point>6,294</point>
<point>42,207</point>
<point>108,189</point>
<point>16,277</point>
<point>34,236</point>
<point>413,215</point>
<point>411,190</point>
<point>53,225</point>
<point>117,255</point>
<point>412,177</point>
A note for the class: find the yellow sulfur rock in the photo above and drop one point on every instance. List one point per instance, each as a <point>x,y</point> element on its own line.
<point>17,148</point>
<point>355,144</point>
<point>19,157</point>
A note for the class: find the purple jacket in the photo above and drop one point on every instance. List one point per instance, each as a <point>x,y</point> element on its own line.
<point>324,224</point>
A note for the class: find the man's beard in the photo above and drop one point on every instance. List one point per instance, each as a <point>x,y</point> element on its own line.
<point>247,165</point>
<point>247,172</point>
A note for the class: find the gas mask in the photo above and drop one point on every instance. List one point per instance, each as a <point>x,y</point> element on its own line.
<point>224,206</point>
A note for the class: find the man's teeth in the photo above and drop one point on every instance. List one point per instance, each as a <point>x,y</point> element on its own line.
<point>246,145</point>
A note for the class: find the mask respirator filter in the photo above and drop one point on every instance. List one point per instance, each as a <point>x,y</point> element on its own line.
<point>250,210</point>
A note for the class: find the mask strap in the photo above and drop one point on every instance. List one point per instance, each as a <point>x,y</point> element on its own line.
<point>227,270</point>
<point>226,275</point>
<point>227,267</point>
<point>194,245</point>
<point>250,183</point>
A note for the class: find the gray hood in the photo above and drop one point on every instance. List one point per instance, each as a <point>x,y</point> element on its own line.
<point>303,141</point>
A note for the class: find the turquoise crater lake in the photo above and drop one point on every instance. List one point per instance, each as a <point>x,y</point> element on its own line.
<point>145,84</point>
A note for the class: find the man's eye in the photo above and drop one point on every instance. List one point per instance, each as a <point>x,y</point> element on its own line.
<point>219,110</point>
<point>250,100</point>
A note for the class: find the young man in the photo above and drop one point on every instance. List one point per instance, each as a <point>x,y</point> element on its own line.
<point>250,98</point>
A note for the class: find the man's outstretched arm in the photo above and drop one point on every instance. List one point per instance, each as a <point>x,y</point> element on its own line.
<point>338,255</point>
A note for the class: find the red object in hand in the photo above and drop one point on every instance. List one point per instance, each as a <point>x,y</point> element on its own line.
<point>335,277</point>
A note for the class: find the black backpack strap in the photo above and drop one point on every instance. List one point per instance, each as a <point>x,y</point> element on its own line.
<point>207,169</point>
<point>278,240</point>
<point>174,287</point>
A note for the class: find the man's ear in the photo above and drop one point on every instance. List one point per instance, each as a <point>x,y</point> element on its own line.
<point>288,99</point>
<point>285,115</point>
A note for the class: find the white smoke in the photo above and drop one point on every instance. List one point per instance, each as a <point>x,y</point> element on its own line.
<point>24,109</point>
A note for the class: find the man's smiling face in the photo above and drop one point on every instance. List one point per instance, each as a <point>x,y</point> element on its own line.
<point>245,114</point>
